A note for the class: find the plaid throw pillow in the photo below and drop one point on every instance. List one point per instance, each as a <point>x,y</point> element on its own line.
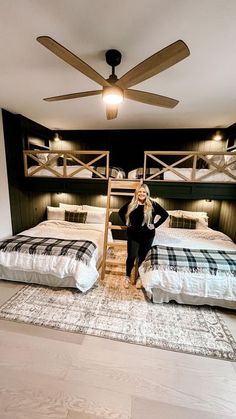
<point>181,222</point>
<point>76,216</point>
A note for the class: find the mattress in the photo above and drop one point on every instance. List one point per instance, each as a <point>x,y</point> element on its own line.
<point>186,172</point>
<point>43,172</point>
<point>114,172</point>
<point>211,177</point>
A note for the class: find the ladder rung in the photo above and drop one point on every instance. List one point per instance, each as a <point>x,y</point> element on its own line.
<point>125,184</point>
<point>116,227</point>
<point>117,244</point>
<point>122,193</point>
<point>115,262</point>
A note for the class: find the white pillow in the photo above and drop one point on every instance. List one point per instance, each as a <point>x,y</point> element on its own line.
<point>42,157</point>
<point>50,158</point>
<point>218,159</point>
<point>93,208</point>
<point>175,213</point>
<point>194,213</point>
<point>70,207</point>
<point>96,217</point>
<point>231,159</point>
<point>55,213</point>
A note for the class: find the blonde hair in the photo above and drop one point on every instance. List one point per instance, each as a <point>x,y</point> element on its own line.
<point>134,204</point>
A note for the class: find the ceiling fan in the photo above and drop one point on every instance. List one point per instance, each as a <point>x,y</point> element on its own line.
<point>114,89</point>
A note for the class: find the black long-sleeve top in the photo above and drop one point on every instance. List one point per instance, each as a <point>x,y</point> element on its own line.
<point>136,217</point>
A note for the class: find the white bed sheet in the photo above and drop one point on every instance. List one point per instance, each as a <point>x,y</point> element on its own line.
<point>191,288</point>
<point>214,177</point>
<point>56,270</point>
<point>171,176</point>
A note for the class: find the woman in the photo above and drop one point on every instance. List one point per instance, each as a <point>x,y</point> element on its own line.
<point>138,215</point>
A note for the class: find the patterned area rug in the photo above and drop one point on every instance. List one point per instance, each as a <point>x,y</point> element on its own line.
<point>111,311</point>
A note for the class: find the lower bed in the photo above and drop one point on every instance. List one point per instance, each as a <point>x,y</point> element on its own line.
<point>191,267</point>
<point>54,253</point>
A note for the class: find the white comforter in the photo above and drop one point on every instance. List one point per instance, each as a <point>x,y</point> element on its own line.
<point>60,266</point>
<point>207,286</point>
<point>206,238</point>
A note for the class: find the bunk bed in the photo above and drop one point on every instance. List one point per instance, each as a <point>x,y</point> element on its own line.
<point>189,262</point>
<point>189,174</point>
<point>63,251</point>
<point>187,166</point>
<point>70,164</point>
<point>167,163</point>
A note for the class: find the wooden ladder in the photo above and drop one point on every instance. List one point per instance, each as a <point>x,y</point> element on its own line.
<point>123,187</point>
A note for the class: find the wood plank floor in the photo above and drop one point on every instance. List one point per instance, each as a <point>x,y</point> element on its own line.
<point>49,374</point>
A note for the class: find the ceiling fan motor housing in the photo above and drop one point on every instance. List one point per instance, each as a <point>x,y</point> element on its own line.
<point>113,57</point>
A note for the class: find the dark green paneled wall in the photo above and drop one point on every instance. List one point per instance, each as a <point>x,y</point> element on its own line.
<point>227,220</point>
<point>27,207</point>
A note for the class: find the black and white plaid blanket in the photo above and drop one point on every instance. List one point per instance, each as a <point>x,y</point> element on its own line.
<point>81,250</point>
<point>191,260</point>
<point>114,172</point>
<point>149,171</point>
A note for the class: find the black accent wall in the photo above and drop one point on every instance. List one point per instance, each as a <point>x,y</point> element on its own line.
<point>127,146</point>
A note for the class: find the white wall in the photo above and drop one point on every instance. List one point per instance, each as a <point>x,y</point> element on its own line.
<point>5,214</point>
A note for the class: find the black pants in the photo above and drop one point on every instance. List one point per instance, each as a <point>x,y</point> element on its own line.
<point>137,247</point>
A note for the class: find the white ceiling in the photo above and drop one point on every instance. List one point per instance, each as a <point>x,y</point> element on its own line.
<point>204,83</point>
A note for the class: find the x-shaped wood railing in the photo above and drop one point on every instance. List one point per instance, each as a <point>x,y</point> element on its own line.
<point>226,166</point>
<point>48,160</point>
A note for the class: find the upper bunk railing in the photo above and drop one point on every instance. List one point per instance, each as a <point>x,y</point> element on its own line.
<point>47,163</point>
<point>225,165</point>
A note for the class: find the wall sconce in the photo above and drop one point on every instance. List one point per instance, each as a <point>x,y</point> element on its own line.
<point>218,136</point>
<point>56,137</point>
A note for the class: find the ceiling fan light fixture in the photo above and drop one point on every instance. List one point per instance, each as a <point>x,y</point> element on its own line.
<point>112,95</point>
<point>114,89</point>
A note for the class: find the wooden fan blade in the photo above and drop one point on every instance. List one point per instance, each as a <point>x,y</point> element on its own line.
<point>73,96</point>
<point>111,111</point>
<point>155,64</point>
<point>150,98</point>
<point>72,59</point>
